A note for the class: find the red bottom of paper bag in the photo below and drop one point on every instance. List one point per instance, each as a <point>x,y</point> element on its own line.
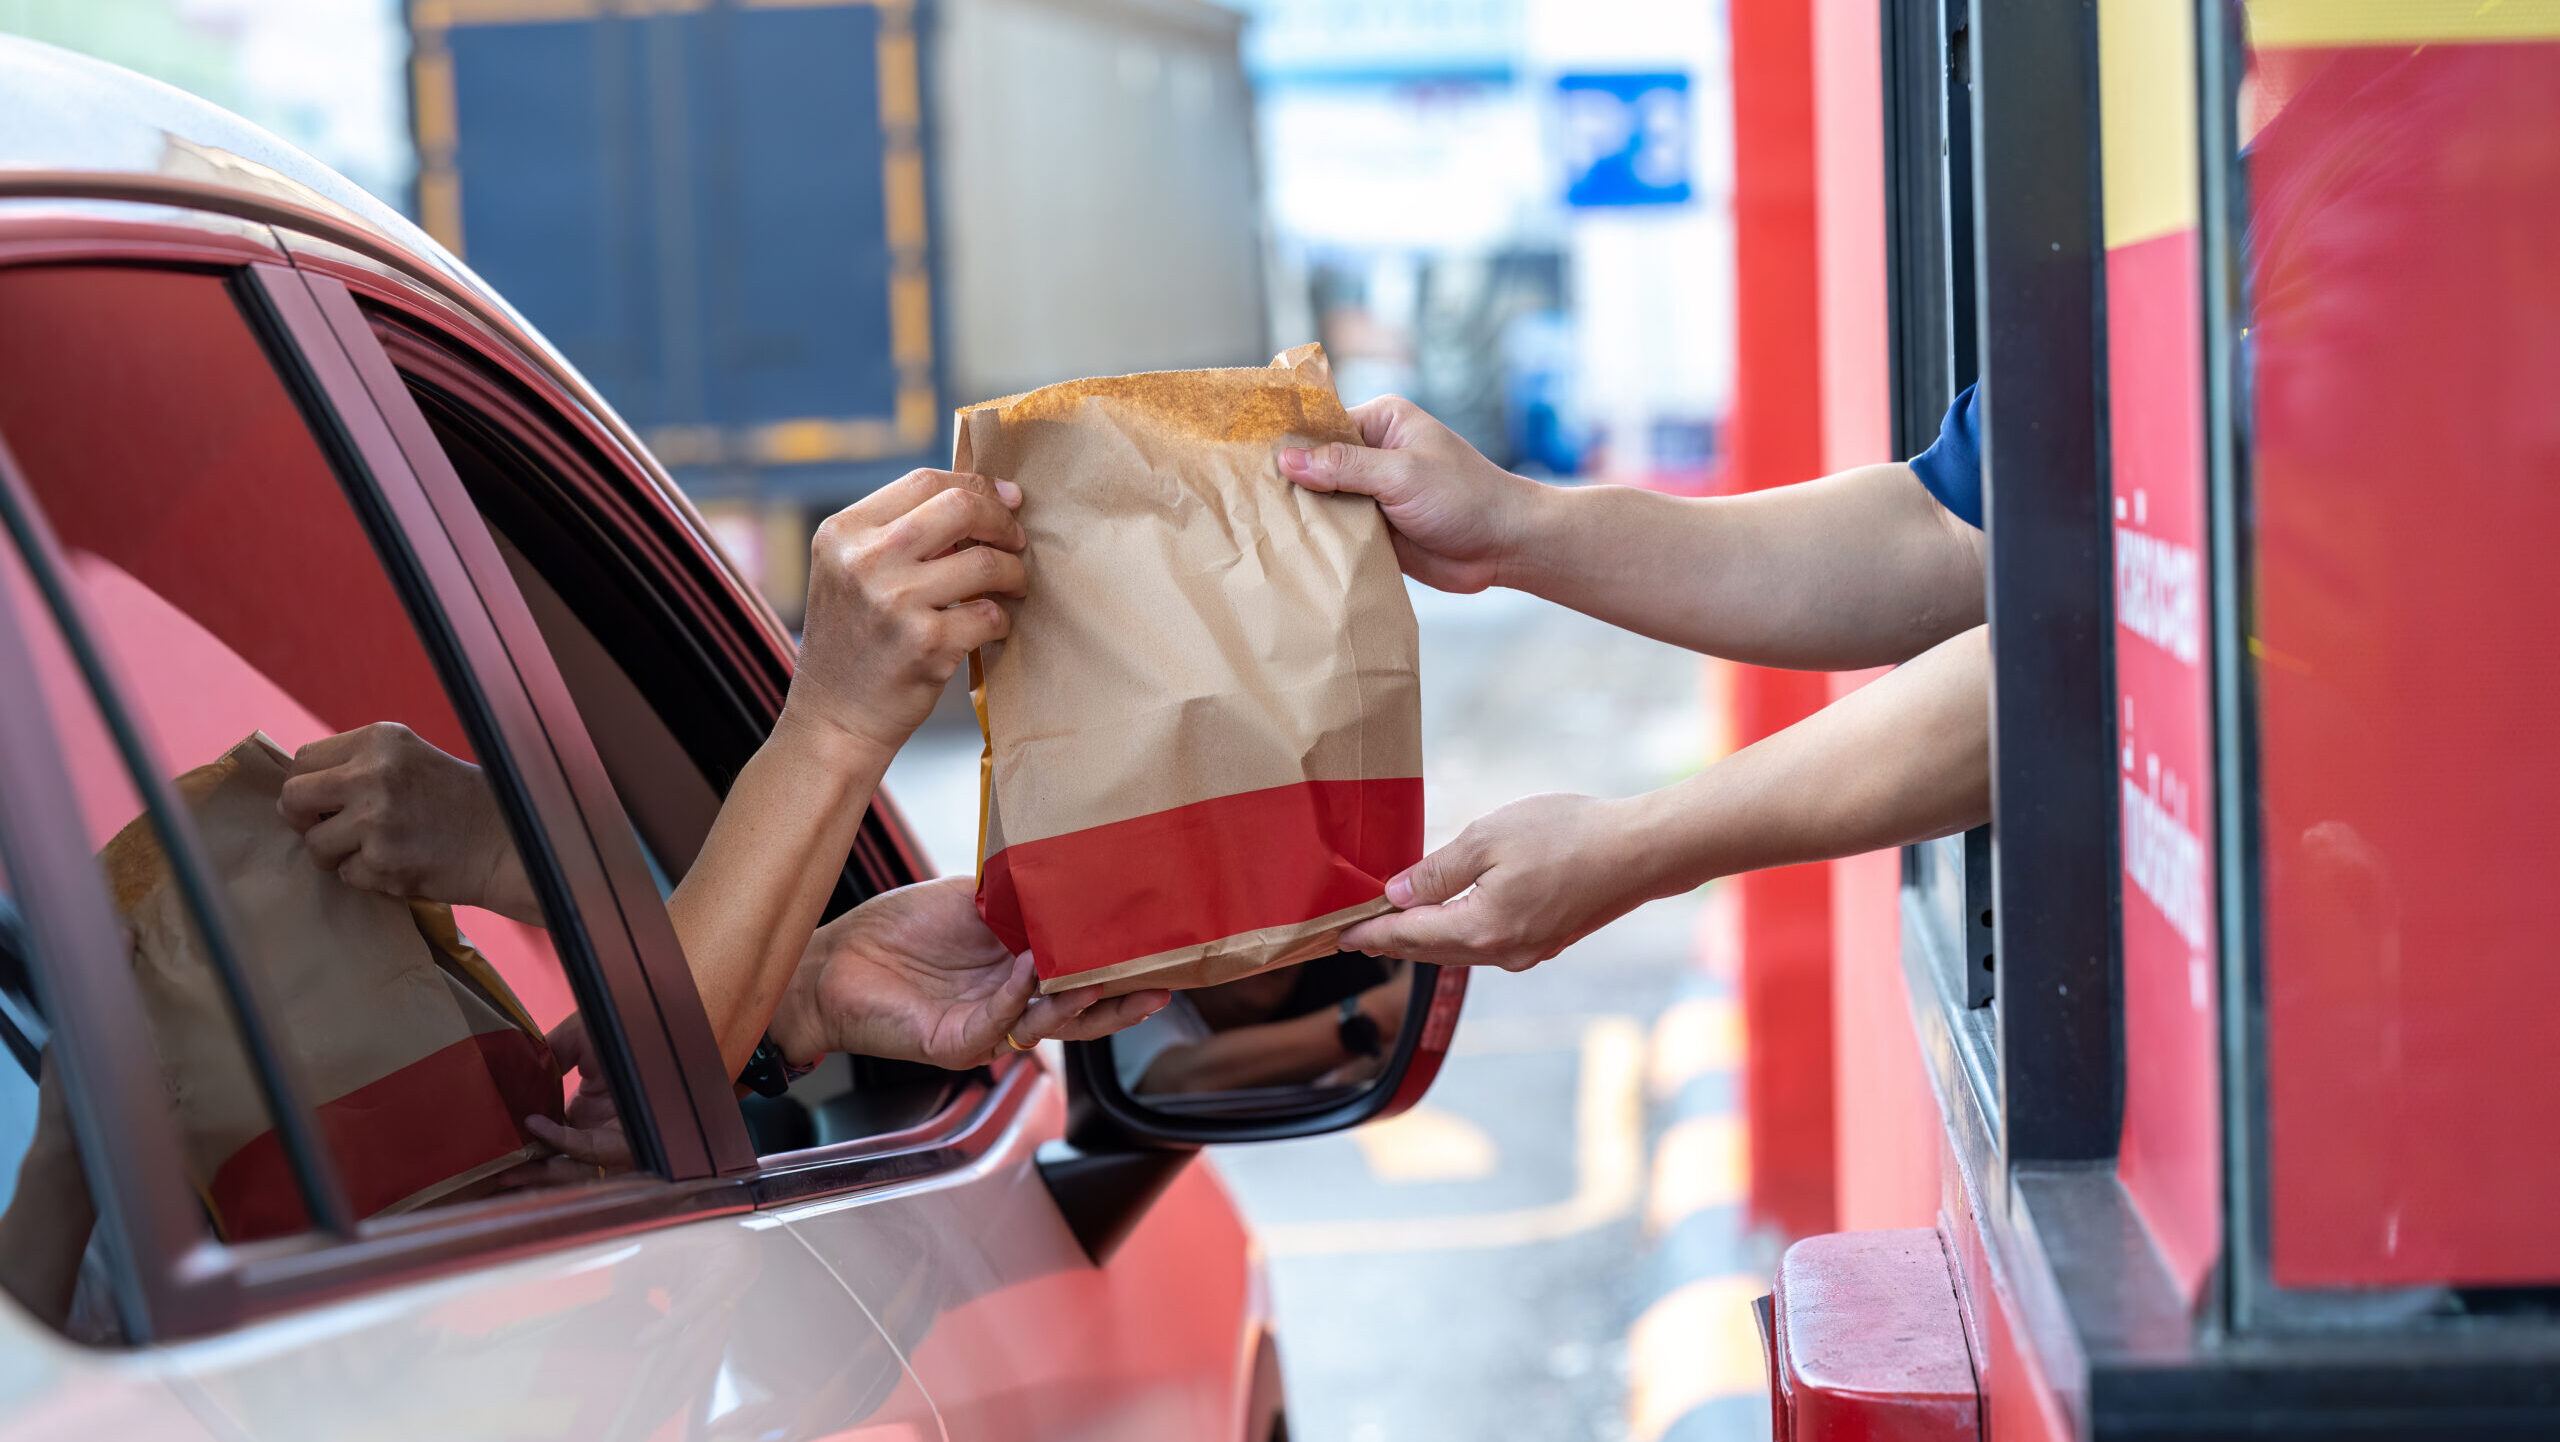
<point>437,1118</point>
<point>1109,894</point>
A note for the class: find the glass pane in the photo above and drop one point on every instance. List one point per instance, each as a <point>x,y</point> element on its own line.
<point>277,678</point>
<point>2403,348</point>
<point>51,1259</point>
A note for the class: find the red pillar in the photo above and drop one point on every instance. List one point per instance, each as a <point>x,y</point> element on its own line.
<point>1776,440</point>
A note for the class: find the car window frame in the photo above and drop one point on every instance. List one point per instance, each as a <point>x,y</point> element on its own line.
<point>184,1281</point>
<point>422,333</point>
<point>444,530</point>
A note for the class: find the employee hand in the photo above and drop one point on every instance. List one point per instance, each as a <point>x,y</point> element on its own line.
<point>915,974</point>
<point>1546,871</point>
<point>388,812</point>
<point>1454,516</point>
<point>899,592</point>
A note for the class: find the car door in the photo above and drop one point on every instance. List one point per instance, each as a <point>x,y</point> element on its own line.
<point>227,537</point>
<point>919,1188</point>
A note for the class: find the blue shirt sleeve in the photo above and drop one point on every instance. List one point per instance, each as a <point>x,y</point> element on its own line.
<point>1952,466</point>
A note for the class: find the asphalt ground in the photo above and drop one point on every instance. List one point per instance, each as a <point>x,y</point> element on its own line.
<point>1551,1246</point>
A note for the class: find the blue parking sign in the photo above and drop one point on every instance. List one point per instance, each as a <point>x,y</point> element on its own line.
<point>1626,138</point>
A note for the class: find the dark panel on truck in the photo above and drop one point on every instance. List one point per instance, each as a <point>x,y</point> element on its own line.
<point>718,214</point>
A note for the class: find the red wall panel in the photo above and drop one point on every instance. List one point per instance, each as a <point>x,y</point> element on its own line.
<point>2170,1157</point>
<point>1777,440</point>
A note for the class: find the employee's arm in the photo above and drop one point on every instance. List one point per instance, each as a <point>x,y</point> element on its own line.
<point>1903,759</point>
<point>1858,569</point>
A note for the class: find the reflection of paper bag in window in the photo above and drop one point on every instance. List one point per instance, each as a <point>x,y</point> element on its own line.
<point>1204,748</point>
<point>417,1056</point>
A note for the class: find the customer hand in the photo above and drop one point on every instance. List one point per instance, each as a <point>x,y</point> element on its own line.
<point>915,974</point>
<point>899,592</point>
<point>1455,516</point>
<point>590,1140</point>
<point>1546,871</point>
<point>388,812</point>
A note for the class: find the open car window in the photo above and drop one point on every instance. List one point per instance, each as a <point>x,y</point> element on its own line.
<point>653,661</point>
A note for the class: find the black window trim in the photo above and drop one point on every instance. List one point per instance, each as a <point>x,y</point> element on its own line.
<point>419,345</point>
<point>2039,265</point>
<point>411,476</point>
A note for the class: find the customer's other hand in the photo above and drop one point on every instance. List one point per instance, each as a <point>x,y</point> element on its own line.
<point>1546,872</point>
<point>1455,516</point>
<point>915,974</point>
<point>389,812</point>
<point>589,1140</point>
<point>900,590</point>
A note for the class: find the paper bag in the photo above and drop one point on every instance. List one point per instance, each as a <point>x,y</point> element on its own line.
<point>1203,737</point>
<point>416,1055</point>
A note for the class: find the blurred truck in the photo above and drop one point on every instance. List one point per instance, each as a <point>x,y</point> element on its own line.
<point>784,239</point>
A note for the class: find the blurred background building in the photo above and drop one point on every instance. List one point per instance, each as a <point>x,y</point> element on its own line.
<point>785,239</point>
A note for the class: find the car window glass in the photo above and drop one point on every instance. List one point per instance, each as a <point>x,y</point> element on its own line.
<point>648,699</point>
<point>52,1257</point>
<point>275,675</point>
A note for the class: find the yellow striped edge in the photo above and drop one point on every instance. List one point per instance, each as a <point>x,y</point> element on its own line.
<point>1608,1143</point>
<point>2147,117</point>
<point>1700,1162</point>
<point>1426,1144</point>
<point>2291,24</point>
<point>1691,1039</point>
<point>1696,1345</point>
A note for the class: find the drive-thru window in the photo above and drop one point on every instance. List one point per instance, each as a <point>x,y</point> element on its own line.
<point>2236,1019</point>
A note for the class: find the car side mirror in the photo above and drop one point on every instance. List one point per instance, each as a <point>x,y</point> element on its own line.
<point>1317,1047</point>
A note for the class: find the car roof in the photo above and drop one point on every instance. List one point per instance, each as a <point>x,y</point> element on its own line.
<point>66,114</point>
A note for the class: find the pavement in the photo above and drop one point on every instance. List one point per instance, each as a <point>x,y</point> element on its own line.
<point>1551,1247</point>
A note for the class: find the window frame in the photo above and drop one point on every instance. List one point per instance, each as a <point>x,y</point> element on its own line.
<point>634,944</point>
<point>1931,356</point>
<point>422,336</point>
<point>2039,275</point>
<point>184,1281</point>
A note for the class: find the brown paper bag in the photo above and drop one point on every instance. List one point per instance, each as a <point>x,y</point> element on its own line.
<point>417,1056</point>
<point>1203,737</point>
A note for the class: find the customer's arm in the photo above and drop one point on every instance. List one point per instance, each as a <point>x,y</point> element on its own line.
<point>1862,568</point>
<point>898,595</point>
<point>1903,759</point>
<point>899,588</point>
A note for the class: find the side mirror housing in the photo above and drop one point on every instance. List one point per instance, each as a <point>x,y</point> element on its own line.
<point>1292,1053</point>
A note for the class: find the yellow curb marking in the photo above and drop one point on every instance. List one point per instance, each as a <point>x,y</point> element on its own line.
<point>1691,1039</point>
<point>1608,1167</point>
<point>1699,1163</point>
<point>1427,1144</point>
<point>1696,1345</point>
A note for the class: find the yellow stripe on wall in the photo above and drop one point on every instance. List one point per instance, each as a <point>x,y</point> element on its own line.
<point>2147,117</point>
<point>2293,24</point>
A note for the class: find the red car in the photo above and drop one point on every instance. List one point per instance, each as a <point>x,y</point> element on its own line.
<point>274,466</point>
